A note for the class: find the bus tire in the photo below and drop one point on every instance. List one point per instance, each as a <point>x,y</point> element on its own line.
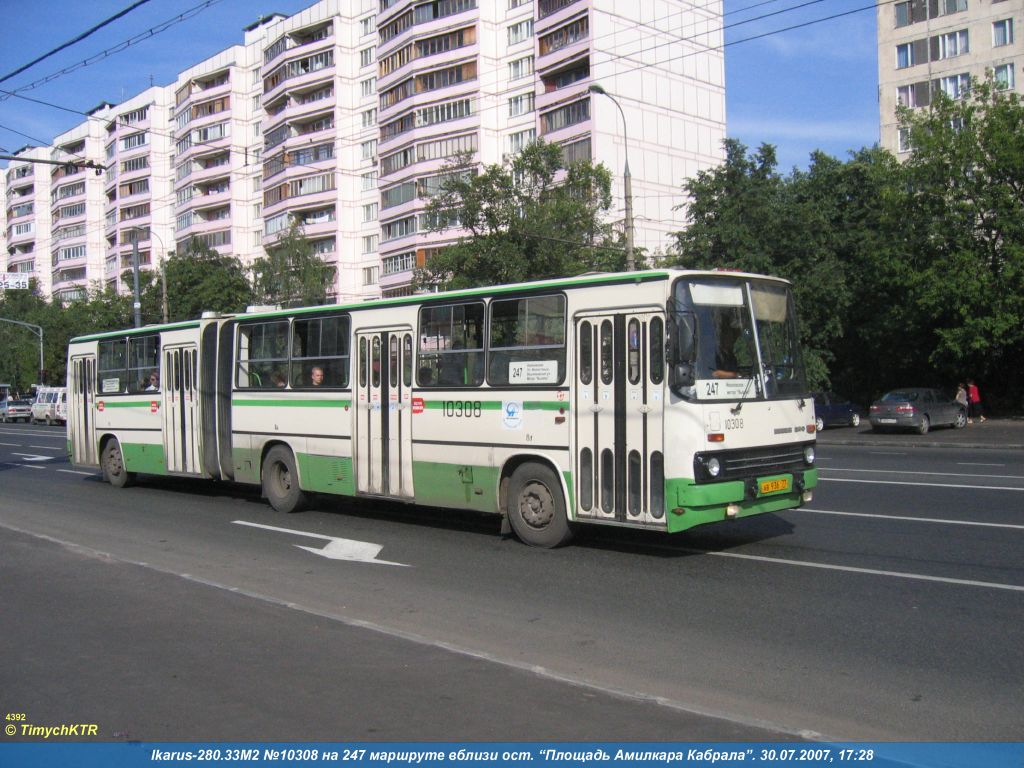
<point>49,421</point>
<point>114,471</point>
<point>536,507</point>
<point>281,481</point>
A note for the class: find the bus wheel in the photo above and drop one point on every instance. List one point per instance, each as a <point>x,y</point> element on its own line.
<point>113,465</point>
<point>49,421</point>
<point>281,481</point>
<point>536,508</point>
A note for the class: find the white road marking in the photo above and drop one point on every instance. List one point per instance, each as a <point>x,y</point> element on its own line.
<point>14,445</point>
<point>76,472</point>
<point>977,464</point>
<point>926,485</point>
<point>33,456</point>
<point>46,447</point>
<point>912,519</point>
<point>30,466</point>
<point>868,571</point>
<point>935,474</point>
<point>886,453</point>
<point>336,549</point>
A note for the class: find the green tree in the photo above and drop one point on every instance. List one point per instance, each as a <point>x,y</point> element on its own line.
<point>292,274</point>
<point>198,280</point>
<point>527,219</point>
<point>964,211</point>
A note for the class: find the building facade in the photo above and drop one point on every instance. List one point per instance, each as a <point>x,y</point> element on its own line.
<point>138,186</point>
<point>931,46</point>
<point>28,216</point>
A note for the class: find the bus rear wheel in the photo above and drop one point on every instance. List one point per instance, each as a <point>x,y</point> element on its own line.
<point>113,465</point>
<point>281,481</point>
<point>536,507</point>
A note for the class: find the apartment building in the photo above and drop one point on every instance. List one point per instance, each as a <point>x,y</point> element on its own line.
<point>217,146</point>
<point>319,138</point>
<point>458,76</point>
<point>138,185</point>
<point>28,216</point>
<point>76,208</point>
<point>928,46</point>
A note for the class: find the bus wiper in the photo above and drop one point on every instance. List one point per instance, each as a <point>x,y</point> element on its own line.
<point>743,396</point>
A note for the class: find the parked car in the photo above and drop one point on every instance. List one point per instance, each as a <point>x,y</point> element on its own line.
<point>50,405</point>
<point>832,410</point>
<point>916,408</point>
<point>15,410</point>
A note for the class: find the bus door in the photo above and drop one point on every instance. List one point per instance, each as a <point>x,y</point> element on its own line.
<point>383,412</point>
<point>81,410</point>
<point>180,407</point>
<point>620,374</point>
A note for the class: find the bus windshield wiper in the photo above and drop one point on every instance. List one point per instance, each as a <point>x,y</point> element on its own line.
<point>743,396</point>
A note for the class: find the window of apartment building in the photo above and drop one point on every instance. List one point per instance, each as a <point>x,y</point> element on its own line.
<point>134,188</point>
<point>369,117</point>
<point>1004,77</point>
<point>211,133</point>
<point>320,247</point>
<point>135,212</point>
<point>570,114</point>
<point>367,25</point>
<point>398,93</point>
<point>370,243</point>
<point>135,140</point>
<point>444,112</point>
<point>73,252</point>
<point>441,8</point>
<point>393,230</point>
<point>183,145</point>
<point>398,194</point>
<point>546,7</point>
<point>68,210</point>
<point>521,104</point>
<point>135,164</point>
<point>311,185</point>
<point>29,226</point>
<point>566,77</point>
<point>26,208</point>
<point>1002,33</point>
<point>955,86</point>
<point>308,64</point>
<point>521,31</point>
<point>401,262</point>
<point>563,36</point>
<point>576,152</point>
<point>447,42</point>
<point>370,212</point>
<point>447,147</point>
<point>520,68</point>
<point>396,60</point>
<point>184,118</point>
<point>366,56</point>
<point>211,107</point>
<point>369,181</point>
<point>135,116</point>
<point>950,45</point>
<point>911,54</point>
<point>370,275</point>
<point>318,95</point>
<point>110,149</point>
<point>398,126</point>
<point>914,95</point>
<point>184,195</point>
<point>313,126</point>
<point>183,220</point>
<point>69,190</point>
<point>318,216</point>
<point>368,87</point>
<point>272,138</point>
<point>396,26</point>
<point>274,224</point>
<point>442,78</point>
<point>368,149</point>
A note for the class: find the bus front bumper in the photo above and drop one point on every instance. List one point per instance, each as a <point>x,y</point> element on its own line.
<point>691,504</point>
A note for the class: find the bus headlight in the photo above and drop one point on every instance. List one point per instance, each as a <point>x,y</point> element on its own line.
<point>809,454</point>
<point>713,467</point>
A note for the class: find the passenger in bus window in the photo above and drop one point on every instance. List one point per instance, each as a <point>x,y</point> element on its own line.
<point>154,381</point>
<point>278,379</point>
<point>316,376</point>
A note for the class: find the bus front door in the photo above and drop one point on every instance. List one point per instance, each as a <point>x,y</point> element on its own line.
<point>383,408</point>
<point>620,394</point>
<point>180,403</point>
<point>82,409</point>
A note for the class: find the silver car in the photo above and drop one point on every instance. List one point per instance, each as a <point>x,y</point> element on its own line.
<point>15,410</point>
<point>917,409</point>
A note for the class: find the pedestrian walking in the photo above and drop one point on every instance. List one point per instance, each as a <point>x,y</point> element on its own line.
<point>974,398</point>
<point>961,397</point>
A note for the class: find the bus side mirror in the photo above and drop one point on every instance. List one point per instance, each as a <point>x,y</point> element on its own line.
<point>682,349</point>
<point>681,376</point>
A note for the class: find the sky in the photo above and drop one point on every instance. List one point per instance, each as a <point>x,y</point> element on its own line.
<point>810,88</point>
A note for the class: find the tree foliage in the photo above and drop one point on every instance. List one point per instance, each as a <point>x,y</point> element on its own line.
<point>199,280</point>
<point>292,274</point>
<point>527,219</point>
<point>905,273</point>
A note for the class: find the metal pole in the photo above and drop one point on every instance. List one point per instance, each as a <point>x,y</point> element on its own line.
<point>163,267</point>
<point>135,283</point>
<point>627,179</point>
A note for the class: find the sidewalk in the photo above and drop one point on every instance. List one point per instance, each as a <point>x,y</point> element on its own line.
<point>994,433</point>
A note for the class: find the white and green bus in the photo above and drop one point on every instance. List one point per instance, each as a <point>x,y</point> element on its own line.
<point>661,399</point>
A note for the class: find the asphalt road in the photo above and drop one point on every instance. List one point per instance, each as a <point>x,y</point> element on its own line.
<point>890,608</point>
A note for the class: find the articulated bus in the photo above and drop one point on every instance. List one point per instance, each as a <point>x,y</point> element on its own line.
<point>660,399</point>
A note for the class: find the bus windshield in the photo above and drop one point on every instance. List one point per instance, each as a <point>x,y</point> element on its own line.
<point>741,338</point>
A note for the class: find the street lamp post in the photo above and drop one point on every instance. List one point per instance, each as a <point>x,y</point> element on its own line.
<point>38,331</point>
<point>163,272</point>
<point>627,179</point>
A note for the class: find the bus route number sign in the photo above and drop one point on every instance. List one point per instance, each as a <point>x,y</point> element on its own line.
<point>462,409</point>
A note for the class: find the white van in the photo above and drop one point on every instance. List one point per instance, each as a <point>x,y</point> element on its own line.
<point>51,405</point>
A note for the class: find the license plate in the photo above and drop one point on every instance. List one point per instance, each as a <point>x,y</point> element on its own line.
<point>774,486</point>
<point>887,421</point>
